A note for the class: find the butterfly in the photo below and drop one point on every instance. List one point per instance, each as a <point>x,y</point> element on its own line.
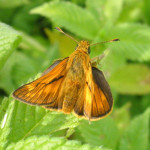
<point>72,84</point>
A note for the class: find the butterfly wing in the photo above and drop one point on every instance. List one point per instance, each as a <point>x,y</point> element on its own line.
<point>102,98</point>
<point>51,67</point>
<point>44,90</point>
<point>96,100</point>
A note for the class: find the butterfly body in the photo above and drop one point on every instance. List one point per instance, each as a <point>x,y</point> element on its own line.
<point>71,84</point>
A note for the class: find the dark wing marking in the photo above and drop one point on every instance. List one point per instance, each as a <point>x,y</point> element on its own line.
<point>102,99</point>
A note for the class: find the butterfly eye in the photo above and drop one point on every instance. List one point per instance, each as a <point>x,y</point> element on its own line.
<point>89,50</point>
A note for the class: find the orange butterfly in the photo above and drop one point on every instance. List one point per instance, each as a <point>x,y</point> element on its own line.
<point>71,84</point>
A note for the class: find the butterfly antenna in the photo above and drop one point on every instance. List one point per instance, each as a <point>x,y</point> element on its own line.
<point>113,40</point>
<point>60,30</point>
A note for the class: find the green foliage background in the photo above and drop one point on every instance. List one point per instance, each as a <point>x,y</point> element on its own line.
<point>29,44</point>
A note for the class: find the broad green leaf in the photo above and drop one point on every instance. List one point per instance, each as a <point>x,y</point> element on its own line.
<point>134,41</point>
<point>6,82</point>
<point>97,8</point>
<point>131,79</point>
<point>6,110</point>
<point>25,121</point>
<point>103,132</point>
<point>112,10</point>
<point>136,136</point>
<point>104,10</point>
<point>10,4</point>
<point>70,16</point>
<point>47,143</point>
<point>9,40</point>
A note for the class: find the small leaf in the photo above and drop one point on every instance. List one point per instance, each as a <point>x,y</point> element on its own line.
<point>134,41</point>
<point>131,79</point>
<point>9,40</point>
<point>45,142</point>
<point>137,134</point>
<point>6,121</point>
<point>3,107</point>
<point>70,16</point>
<point>98,133</point>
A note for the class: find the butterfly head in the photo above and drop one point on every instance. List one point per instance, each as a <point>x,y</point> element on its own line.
<point>83,45</point>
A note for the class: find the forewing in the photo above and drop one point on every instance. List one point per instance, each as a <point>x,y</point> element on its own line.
<point>102,98</point>
<point>51,67</point>
<point>44,90</point>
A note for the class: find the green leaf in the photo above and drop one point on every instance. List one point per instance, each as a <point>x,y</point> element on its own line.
<point>145,103</point>
<point>112,10</point>
<point>3,107</point>
<point>25,121</point>
<point>98,133</point>
<point>131,12</point>
<point>146,11</point>
<point>6,82</point>
<point>96,7</point>
<point>6,121</point>
<point>17,72</point>
<point>112,62</point>
<point>25,66</point>
<point>134,41</point>
<point>21,72</point>
<point>122,116</point>
<point>70,16</point>
<point>131,79</point>
<point>9,40</point>
<point>45,142</point>
<point>136,136</point>
<point>26,22</point>
<point>104,10</point>
<point>10,4</point>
